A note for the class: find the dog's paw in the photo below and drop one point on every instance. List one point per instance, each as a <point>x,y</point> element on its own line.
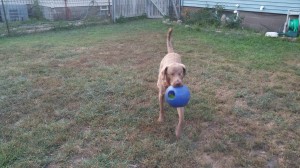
<point>161,119</point>
<point>178,130</point>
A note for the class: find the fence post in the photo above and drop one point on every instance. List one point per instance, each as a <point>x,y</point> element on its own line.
<point>6,22</point>
<point>180,5</point>
<point>114,11</point>
<point>109,11</point>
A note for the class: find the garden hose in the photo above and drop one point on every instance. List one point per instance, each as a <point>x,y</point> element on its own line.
<point>294,25</point>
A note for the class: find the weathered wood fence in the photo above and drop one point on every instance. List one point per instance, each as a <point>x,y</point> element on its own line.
<point>132,8</point>
<point>15,14</point>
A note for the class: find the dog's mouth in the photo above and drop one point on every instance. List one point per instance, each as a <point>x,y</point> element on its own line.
<point>177,84</point>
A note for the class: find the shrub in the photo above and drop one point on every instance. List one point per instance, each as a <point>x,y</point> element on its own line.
<point>212,17</point>
<point>203,17</point>
<point>233,21</point>
<point>37,12</point>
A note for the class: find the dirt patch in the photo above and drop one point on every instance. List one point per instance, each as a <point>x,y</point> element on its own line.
<point>47,83</point>
<point>139,52</point>
<point>73,106</point>
<point>241,103</point>
<point>82,62</point>
<point>224,95</point>
<point>225,99</point>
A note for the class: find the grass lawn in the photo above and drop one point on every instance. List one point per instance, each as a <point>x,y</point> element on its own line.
<point>88,98</point>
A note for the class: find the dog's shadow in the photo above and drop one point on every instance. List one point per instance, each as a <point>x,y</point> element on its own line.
<point>162,130</point>
<point>166,130</point>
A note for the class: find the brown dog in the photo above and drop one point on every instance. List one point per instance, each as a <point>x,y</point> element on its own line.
<point>171,72</point>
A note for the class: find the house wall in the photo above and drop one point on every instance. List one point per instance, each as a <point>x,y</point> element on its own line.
<point>72,9</point>
<point>17,2</point>
<point>73,13</point>
<point>263,22</point>
<point>270,6</point>
<point>72,3</point>
<point>271,18</point>
<point>14,12</point>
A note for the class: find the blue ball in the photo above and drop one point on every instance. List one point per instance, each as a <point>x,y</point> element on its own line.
<point>177,96</point>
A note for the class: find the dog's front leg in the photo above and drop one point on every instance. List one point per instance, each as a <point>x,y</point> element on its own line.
<point>179,127</point>
<point>161,117</point>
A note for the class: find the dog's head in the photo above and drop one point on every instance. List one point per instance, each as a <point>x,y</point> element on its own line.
<point>173,74</point>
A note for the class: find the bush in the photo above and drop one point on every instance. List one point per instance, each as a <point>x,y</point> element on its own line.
<point>37,12</point>
<point>233,21</point>
<point>212,17</point>
<point>203,17</point>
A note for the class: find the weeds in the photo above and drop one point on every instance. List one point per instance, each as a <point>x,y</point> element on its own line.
<point>212,17</point>
<point>36,10</point>
<point>123,19</point>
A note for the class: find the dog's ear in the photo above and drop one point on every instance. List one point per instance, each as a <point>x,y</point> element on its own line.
<point>184,69</point>
<point>164,76</point>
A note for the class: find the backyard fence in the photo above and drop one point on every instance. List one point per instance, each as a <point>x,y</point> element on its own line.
<point>27,16</point>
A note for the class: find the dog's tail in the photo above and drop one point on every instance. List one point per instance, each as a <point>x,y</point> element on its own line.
<point>169,42</point>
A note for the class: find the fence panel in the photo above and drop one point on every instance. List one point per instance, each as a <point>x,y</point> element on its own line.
<point>157,8</point>
<point>128,8</point>
<point>28,16</point>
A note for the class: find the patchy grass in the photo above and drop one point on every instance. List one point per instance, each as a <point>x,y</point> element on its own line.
<point>88,98</point>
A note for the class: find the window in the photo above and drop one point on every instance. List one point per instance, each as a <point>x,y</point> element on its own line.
<point>13,15</point>
<point>103,7</point>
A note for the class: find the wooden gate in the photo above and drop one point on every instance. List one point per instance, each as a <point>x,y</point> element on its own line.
<point>152,8</point>
<point>157,8</point>
<point>161,8</point>
<point>128,8</point>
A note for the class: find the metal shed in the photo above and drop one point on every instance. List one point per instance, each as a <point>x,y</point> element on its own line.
<point>14,12</point>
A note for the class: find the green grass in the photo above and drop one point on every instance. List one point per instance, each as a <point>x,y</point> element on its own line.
<point>87,97</point>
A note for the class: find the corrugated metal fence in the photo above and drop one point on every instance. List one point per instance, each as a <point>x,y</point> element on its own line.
<point>27,16</point>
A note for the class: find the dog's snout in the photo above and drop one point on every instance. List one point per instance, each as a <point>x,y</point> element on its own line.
<point>177,83</point>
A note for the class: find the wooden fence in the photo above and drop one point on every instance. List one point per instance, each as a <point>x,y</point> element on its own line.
<point>132,8</point>
<point>16,14</point>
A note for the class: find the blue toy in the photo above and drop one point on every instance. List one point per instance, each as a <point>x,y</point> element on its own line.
<point>177,96</point>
